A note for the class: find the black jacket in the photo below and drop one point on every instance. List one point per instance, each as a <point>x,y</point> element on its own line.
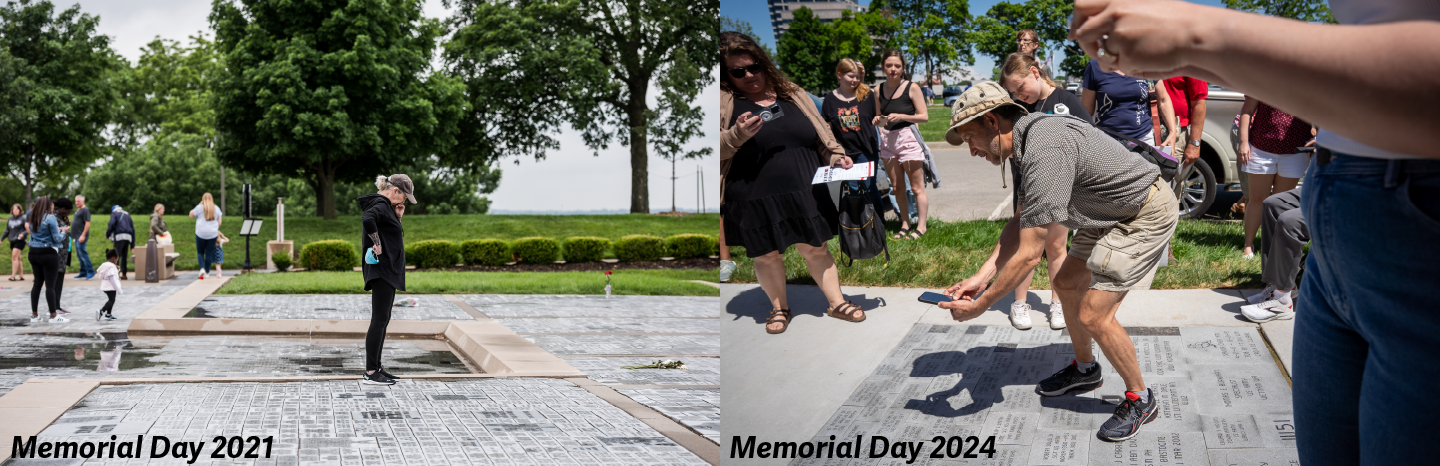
<point>120,223</point>
<point>376,215</point>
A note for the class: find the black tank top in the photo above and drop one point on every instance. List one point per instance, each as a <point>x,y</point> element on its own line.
<point>902,106</point>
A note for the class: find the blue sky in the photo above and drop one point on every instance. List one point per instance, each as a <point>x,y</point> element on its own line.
<point>757,13</point>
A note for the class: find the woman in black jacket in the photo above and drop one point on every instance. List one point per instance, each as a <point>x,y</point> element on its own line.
<point>383,236</point>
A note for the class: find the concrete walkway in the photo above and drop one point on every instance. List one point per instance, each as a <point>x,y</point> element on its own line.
<point>772,397</point>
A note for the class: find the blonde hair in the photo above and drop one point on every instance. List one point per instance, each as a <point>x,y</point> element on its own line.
<point>158,207</point>
<point>382,183</point>
<point>1018,64</point>
<point>208,204</point>
<point>848,65</point>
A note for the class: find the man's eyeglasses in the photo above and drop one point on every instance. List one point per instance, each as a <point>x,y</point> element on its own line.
<point>754,68</point>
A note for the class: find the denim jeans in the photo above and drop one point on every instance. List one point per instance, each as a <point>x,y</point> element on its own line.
<point>1367,327</point>
<point>205,252</point>
<point>86,268</point>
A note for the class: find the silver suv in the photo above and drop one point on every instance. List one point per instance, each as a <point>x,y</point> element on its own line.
<point>1216,169</point>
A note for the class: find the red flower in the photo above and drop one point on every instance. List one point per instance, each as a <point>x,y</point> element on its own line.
<point>607,272</point>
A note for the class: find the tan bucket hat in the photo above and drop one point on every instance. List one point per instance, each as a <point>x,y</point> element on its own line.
<point>976,100</point>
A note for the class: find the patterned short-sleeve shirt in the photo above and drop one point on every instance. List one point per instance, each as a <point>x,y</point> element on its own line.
<point>1074,174</point>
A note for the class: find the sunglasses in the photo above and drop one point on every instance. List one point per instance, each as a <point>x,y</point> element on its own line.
<point>754,68</point>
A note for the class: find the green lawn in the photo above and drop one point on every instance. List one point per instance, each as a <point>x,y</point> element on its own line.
<point>623,282</point>
<point>1208,253</point>
<point>934,129</point>
<point>304,230</point>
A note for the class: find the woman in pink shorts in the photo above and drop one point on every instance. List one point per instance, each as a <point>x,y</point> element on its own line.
<point>900,106</point>
<point>1269,155</point>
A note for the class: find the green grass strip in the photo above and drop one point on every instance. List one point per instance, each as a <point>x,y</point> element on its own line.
<point>623,282</point>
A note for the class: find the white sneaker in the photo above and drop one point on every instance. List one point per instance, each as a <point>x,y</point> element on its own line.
<point>1269,310</point>
<point>1057,316</point>
<point>36,319</point>
<point>727,268</point>
<point>1262,296</point>
<point>1020,315</point>
<point>59,319</point>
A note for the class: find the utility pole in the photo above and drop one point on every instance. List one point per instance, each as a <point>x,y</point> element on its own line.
<point>672,184</point>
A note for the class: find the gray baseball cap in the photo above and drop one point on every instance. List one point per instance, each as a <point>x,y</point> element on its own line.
<point>406,186</point>
<point>975,101</point>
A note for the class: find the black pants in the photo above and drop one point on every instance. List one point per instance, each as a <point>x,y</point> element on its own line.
<point>60,284</point>
<point>109,303</point>
<point>123,248</point>
<point>45,263</point>
<point>382,299</point>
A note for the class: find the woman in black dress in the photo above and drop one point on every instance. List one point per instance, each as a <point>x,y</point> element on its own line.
<point>385,238</point>
<point>772,142</point>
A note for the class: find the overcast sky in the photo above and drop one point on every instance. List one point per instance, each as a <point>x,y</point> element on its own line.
<point>570,179</point>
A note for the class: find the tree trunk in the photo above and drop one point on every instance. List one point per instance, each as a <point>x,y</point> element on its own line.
<point>326,177</point>
<point>313,180</point>
<point>639,150</point>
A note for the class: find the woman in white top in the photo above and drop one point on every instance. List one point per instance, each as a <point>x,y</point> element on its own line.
<point>207,230</point>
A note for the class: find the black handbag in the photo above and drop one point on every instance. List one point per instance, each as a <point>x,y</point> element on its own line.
<point>862,230</point>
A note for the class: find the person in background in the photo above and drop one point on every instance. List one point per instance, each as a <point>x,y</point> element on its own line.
<point>1028,42</point>
<point>220,250</point>
<point>899,106</point>
<point>1120,103</point>
<point>1371,199</point>
<point>157,222</point>
<point>45,242</point>
<point>121,232</point>
<point>63,208</point>
<point>1269,155</point>
<point>767,201</point>
<point>849,115</point>
<point>81,233</point>
<point>727,266</point>
<point>207,229</point>
<point>15,234</point>
<point>109,284</point>
<point>1021,77</point>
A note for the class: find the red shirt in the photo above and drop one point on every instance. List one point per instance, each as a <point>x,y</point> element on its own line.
<point>1182,90</point>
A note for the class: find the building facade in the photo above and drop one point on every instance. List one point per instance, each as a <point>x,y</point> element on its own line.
<point>782,11</point>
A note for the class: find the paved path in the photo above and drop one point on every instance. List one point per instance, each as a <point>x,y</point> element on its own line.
<point>970,187</point>
<point>910,373</point>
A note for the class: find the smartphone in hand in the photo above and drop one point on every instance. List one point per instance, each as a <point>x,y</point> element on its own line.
<point>931,297</point>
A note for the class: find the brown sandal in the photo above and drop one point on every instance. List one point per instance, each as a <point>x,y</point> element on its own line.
<point>775,315</point>
<point>850,309</point>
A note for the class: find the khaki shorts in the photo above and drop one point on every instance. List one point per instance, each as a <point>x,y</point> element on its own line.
<point>1121,255</point>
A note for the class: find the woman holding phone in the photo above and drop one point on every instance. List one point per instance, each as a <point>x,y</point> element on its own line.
<point>384,242</point>
<point>771,144</point>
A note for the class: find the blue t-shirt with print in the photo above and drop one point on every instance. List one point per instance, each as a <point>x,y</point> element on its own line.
<point>1122,103</point>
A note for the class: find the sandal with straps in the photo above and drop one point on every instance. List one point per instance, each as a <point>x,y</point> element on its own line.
<point>775,317</point>
<point>904,233</point>
<point>850,310</point>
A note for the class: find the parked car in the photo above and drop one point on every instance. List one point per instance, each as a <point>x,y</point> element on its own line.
<point>1216,169</point>
<point>1074,88</point>
<point>950,94</point>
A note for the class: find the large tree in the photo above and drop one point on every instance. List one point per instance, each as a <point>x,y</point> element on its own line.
<point>995,32</point>
<point>533,66</point>
<point>806,52</point>
<point>331,90</point>
<point>168,90</point>
<point>934,34</point>
<point>1314,11</point>
<point>59,92</point>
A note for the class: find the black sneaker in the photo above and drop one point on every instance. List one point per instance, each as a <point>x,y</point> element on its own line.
<point>387,373</point>
<point>1129,417</point>
<point>109,316</point>
<point>377,378</point>
<point>1070,378</point>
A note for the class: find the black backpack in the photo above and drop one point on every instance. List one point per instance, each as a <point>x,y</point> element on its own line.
<point>1169,166</point>
<point>862,230</point>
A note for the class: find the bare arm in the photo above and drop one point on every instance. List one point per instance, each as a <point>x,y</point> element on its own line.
<point>1197,129</point>
<point>1167,114</point>
<point>1284,62</point>
<point>972,286</point>
<point>1087,97</point>
<point>1020,256</point>
<point>1248,109</point>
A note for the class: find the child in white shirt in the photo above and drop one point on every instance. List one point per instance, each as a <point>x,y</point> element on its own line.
<point>109,276</point>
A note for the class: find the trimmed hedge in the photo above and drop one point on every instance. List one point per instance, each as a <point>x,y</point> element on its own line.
<point>433,254</point>
<point>282,261</point>
<point>688,245</point>
<point>333,254</point>
<point>485,251</point>
<point>634,248</point>
<point>585,249</point>
<point>536,250</point>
